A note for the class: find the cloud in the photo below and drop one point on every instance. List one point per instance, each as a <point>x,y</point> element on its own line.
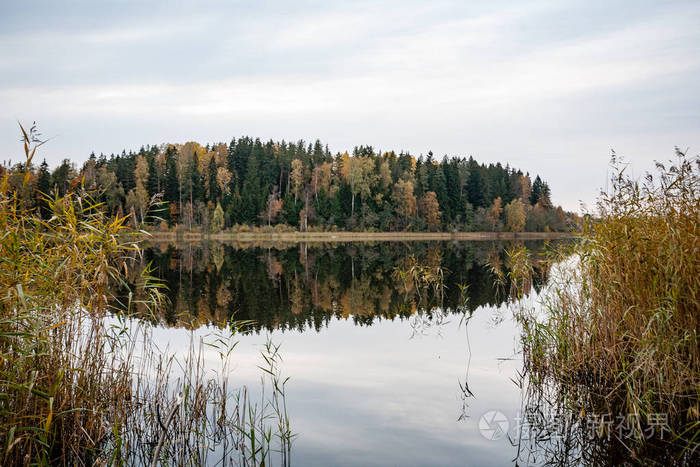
<point>540,86</point>
<point>436,69</point>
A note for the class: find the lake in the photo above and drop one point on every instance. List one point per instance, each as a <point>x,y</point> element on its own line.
<point>386,366</point>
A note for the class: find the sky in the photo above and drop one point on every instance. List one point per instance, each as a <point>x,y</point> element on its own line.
<point>550,87</point>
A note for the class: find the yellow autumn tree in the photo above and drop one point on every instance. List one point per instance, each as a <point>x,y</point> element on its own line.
<point>384,178</point>
<point>223,177</point>
<point>217,219</point>
<point>359,176</point>
<point>430,207</point>
<point>525,187</point>
<point>515,216</point>
<point>494,213</point>
<point>273,207</point>
<point>321,178</point>
<point>137,199</point>
<point>297,176</point>
<point>404,200</point>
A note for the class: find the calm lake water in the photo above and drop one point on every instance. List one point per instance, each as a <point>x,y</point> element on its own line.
<point>382,371</point>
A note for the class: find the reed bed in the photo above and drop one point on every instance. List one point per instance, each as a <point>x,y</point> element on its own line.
<point>619,331</point>
<point>82,384</point>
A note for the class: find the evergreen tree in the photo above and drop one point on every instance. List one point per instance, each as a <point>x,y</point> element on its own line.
<point>43,187</point>
<point>251,192</point>
<point>476,186</point>
<point>62,176</point>
<point>362,191</point>
<point>231,165</point>
<point>214,190</point>
<point>545,195</point>
<point>540,191</point>
<point>172,185</point>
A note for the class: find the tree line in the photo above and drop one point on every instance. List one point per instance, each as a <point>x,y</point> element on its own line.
<point>302,186</point>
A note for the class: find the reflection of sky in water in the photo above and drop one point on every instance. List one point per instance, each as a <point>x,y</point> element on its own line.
<point>376,395</point>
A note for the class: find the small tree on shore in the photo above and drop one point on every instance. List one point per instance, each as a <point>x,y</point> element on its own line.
<point>217,220</point>
<point>431,210</point>
<point>515,216</point>
<point>404,200</point>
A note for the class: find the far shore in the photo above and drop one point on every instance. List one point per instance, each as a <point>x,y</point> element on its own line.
<point>297,237</point>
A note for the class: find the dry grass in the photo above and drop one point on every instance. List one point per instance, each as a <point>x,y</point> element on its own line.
<point>620,332</point>
<point>55,367</point>
<point>75,389</point>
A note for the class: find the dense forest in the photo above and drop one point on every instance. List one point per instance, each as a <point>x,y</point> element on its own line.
<point>298,186</point>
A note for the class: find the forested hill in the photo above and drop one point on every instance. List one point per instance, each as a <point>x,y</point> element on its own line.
<point>249,182</point>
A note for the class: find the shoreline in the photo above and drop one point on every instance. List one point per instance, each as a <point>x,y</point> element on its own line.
<point>329,237</point>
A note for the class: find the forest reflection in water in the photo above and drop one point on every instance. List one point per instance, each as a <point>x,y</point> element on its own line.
<point>302,286</point>
<point>386,366</point>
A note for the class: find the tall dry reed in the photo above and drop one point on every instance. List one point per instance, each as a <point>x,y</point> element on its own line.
<point>75,388</point>
<point>619,333</point>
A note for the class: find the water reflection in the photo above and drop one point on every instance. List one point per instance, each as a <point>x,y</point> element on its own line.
<point>549,432</point>
<point>302,286</point>
<point>396,351</point>
<point>385,369</point>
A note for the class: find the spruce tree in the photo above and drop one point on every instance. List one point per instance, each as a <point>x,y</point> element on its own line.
<point>250,194</point>
<point>476,186</point>
<point>214,190</point>
<point>172,184</point>
<point>536,192</point>
<point>43,186</point>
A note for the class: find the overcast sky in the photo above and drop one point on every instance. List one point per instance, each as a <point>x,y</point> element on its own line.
<point>549,87</point>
